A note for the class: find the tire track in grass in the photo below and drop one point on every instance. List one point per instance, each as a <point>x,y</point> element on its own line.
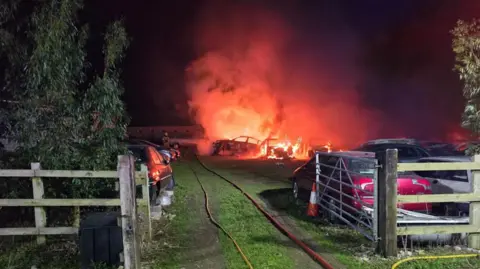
<point>188,239</point>
<point>261,242</point>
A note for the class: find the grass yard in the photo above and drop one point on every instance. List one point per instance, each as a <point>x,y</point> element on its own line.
<point>269,184</point>
<point>234,212</point>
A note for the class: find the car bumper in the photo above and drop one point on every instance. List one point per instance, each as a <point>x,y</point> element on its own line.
<point>417,207</point>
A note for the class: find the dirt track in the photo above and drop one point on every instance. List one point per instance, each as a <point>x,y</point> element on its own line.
<point>251,173</point>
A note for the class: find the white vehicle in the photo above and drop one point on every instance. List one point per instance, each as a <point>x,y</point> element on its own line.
<point>444,182</point>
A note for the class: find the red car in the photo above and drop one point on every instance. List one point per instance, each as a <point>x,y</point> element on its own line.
<point>160,172</point>
<point>348,177</point>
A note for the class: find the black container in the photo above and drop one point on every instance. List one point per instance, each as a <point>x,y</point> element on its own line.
<point>100,240</point>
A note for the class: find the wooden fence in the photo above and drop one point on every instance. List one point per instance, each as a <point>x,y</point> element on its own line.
<point>128,179</point>
<point>388,199</point>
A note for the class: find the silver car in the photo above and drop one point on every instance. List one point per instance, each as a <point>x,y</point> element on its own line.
<point>444,182</point>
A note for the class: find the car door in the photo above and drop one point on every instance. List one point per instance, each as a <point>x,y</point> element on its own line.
<point>304,175</point>
<point>458,181</point>
<point>443,182</point>
<point>330,176</point>
<point>164,169</point>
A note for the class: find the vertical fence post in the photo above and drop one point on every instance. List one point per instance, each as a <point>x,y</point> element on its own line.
<point>387,202</point>
<point>76,217</point>
<point>146,200</point>
<point>126,172</point>
<point>474,238</point>
<point>38,193</point>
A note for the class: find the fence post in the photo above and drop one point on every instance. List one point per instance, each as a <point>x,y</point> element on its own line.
<point>126,174</point>
<point>387,202</point>
<point>38,193</point>
<point>474,238</point>
<point>146,200</point>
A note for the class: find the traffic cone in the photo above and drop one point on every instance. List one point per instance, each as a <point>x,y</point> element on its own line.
<point>312,209</point>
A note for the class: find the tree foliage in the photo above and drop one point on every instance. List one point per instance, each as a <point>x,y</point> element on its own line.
<point>466,46</point>
<point>62,117</point>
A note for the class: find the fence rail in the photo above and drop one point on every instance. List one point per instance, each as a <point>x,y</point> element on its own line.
<point>127,202</point>
<point>387,221</point>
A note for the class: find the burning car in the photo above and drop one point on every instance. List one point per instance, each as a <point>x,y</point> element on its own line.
<point>269,148</point>
<point>274,148</point>
<point>242,145</point>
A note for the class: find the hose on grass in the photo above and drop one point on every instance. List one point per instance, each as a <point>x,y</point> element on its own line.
<point>212,219</point>
<point>395,265</point>
<point>315,256</point>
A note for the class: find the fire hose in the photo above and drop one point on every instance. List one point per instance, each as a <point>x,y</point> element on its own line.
<point>315,256</point>
<point>395,265</point>
<point>212,219</point>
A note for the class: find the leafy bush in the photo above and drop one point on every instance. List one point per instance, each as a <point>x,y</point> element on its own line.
<point>62,113</point>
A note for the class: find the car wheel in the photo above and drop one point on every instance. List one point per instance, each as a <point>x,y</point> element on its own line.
<point>171,184</point>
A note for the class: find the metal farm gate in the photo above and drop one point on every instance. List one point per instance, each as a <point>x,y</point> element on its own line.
<point>346,184</point>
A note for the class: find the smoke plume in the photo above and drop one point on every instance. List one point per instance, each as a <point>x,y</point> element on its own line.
<point>260,75</point>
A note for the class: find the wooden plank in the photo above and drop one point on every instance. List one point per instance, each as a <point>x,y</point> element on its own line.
<point>437,229</point>
<point>63,202</point>
<point>38,231</point>
<point>140,177</point>
<point>76,174</point>
<point>59,202</point>
<point>401,167</point>
<point>439,198</point>
<point>146,203</point>
<point>65,174</point>
<point>38,193</point>
<point>128,210</point>
<point>387,202</point>
<point>15,173</point>
<point>474,214</point>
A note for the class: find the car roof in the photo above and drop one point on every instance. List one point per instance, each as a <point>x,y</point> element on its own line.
<point>141,146</point>
<point>409,141</point>
<point>393,145</point>
<point>358,154</point>
<point>448,159</point>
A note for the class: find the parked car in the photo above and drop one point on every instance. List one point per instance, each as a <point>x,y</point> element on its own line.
<point>409,150</point>
<point>360,168</point>
<point>462,147</point>
<point>171,154</point>
<point>237,146</point>
<point>444,182</point>
<point>160,172</point>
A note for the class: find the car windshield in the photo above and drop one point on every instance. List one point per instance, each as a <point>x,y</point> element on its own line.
<point>440,150</point>
<point>362,166</point>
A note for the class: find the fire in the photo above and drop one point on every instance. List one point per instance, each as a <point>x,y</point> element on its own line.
<point>249,80</point>
<point>272,149</point>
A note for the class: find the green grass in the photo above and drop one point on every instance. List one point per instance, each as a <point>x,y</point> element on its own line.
<point>54,255</point>
<point>256,236</point>
<point>346,245</point>
<point>173,236</point>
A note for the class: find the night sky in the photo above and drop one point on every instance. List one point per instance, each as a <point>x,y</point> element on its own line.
<point>403,49</point>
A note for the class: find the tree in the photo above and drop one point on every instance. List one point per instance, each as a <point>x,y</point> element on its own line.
<point>64,115</point>
<point>466,46</point>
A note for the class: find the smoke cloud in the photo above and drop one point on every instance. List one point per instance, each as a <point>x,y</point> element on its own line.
<point>258,76</point>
